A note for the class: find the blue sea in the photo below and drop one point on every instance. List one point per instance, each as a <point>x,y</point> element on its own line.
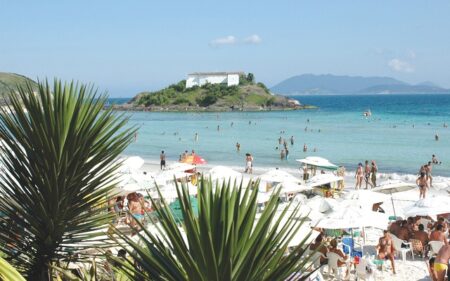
<point>400,134</point>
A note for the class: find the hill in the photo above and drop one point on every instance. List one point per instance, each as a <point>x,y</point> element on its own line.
<point>334,84</point>
<point>10,81</point>
<point>247,96</point>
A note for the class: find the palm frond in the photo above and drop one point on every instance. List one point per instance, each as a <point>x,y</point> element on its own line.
<point>224,241</point>
<point>57,148</point>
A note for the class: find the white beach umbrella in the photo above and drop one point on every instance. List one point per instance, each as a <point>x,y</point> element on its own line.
<point>322,204</point>
<point>131,187</point>
<point>352,217</point>
<point>318,162</point>
<point>131,164</point>
<point>322,179</point>
<point>430,206</point>
<point>365,198</point>
<point>292,187</point>
<point>276,175</point>
<point>222,172</point>
<point>393,186</point>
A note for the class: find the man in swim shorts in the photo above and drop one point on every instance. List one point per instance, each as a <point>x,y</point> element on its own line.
<point>162,157</point>
<point>441,262</point>
<point>367,171</point>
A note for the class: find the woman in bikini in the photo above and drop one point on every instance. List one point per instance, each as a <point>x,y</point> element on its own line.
<point>359,176</point>
<point>386,249</point>
<point>422,182</point>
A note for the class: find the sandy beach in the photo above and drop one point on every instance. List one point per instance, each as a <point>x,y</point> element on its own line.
<point>406,270</point>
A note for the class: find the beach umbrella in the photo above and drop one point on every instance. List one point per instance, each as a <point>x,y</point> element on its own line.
<point>430,206</point>
<point>292,187</point>
<point>222,172</point>
<point>365,198</point>
<point>318,162</point>
<point>194,159</point>
<point>322,179</point>
<point>352,217</point>
<point>276,175</point>
<point>131,187</point>
<point>393,186</point>
<point>321,204</point>
<point>132,164</point>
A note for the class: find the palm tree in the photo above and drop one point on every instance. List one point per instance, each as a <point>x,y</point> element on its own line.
<point>223,241</point>
<point>58,153</point>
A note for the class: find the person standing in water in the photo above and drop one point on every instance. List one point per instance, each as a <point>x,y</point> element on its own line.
<point>238,147</point>
<point>287,153</point>
<point>162,158</point>
<point>422,182</point>
<point>373,174</point>
<point>305,148</point>
<point>359,174</point>
<point>248,163</point>
<point>292,140</point>
<point>282,154</point>
<point>367,174</point>
<point>196,137</point>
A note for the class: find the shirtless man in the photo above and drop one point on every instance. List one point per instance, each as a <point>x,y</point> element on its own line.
<point>441,262</point>
<point>386,249</point>
<point>421,235</point>
<point>438,234</point>
<point>367,171</point>
<point>359,174</point>
<point>422,182</point>
<point>403,232</point>
<point>428,169</point>
<point>162,158</point>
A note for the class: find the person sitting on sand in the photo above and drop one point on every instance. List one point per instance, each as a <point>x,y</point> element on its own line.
<point>386,249</point>
<point>441,262</point>
<point>438,234</point>
<point>422,182</point>
<point>135,207</point>
<point>320,247</point>
<point>333,249</point>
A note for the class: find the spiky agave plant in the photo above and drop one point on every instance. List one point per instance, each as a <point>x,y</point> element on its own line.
<point>224,241</point>
<point>58,152</point>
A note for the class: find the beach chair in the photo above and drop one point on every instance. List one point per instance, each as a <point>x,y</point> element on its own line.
<point>348,247</point>
<point>361,271</point>
<point>333,267</point>
<point>398,247</point>
<point>417,247</point>
<point>435,246</point>
<point>315,258</point>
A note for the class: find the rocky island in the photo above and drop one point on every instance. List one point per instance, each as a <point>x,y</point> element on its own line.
<point>217,91</point>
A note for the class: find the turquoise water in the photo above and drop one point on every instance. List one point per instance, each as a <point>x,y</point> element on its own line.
<point>399,135</point>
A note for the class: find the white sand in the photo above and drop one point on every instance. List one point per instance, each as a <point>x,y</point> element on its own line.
<point>406,270</point>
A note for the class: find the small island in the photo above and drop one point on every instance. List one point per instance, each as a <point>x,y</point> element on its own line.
<point>213,91</point>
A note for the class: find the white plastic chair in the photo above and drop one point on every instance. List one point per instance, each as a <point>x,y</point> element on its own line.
<point>316,261</point>
<point>333,259</point>
<point>398,247</point>
<point>435,246</point>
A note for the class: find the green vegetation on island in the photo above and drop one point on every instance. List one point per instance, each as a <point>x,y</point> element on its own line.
<point>247,96</point>
<point>9,82</point>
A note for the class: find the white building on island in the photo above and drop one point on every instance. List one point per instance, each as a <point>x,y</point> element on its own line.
<point>202,78</point>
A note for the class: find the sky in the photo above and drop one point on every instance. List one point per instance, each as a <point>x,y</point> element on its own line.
<point>125,47</point>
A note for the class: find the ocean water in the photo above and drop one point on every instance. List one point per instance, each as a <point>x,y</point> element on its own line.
<point>400,134</point>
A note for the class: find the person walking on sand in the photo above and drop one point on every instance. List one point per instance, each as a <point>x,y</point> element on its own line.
<point>367,174</point>
<point>359,174</point>
<point>373,174</point>
<point>422,182</point>
<point>162,158</point>
<point>248,163</point>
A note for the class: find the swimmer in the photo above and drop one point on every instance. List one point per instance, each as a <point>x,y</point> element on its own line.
<point>196,137</point>
<point>218,127</point>
<point>436,137</point>
<point>305,148</point>
<point>238,147</point>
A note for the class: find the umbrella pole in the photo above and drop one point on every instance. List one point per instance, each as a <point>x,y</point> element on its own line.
<point>393,207</point>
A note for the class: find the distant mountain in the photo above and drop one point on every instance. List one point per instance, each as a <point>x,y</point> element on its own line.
<point>334,84</point>
<point>10,81</point>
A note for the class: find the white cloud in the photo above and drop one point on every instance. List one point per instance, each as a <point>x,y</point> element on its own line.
<point>227,40</point>
<point>253,39</point>
<point>400,66</point>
